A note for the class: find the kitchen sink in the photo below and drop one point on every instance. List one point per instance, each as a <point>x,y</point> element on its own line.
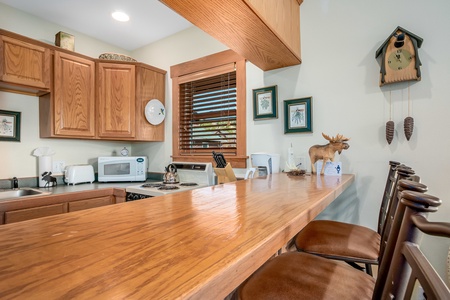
<point>19,193</point>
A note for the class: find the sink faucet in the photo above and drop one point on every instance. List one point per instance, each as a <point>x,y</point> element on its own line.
<point>15,183</point>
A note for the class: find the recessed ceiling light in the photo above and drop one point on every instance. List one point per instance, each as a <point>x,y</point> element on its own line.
<point>120,16</point>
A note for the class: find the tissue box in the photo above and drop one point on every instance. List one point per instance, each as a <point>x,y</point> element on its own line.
<point>65,40</point>
<point>331,168</point>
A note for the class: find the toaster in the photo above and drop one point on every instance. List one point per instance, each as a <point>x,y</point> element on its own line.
<point>79,174</point>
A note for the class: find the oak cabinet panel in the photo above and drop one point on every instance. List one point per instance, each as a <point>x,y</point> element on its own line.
<point>24,64</point>
<point>116,100</point>
<point>149,85</point>
<point>69,111</point>
<point>34,212</point>
<point>91,203</point>
<point>31,208</point>
<point>74,95</point>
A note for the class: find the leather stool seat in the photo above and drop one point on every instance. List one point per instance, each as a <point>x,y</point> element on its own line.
<point>333,239</point>
<point>298,275</point>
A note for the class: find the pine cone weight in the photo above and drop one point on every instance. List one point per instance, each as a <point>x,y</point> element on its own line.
<point>389,131</point>
<point>408,125</point>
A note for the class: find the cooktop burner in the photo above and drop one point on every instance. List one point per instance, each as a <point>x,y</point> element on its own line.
<point>188,184</point>
<point>168,187</point>
<point>152,185</point>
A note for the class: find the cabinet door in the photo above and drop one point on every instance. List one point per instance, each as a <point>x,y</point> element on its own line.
<point>116,100</point>
<point>74,96</point>
<point>90,203</point>
<point>24,63</point>
<point>150,85</point>
<point>35,212</point>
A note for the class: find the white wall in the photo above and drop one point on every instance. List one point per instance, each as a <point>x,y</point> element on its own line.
<point>340,72</point>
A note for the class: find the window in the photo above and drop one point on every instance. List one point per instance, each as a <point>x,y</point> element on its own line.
<point>209,109</point>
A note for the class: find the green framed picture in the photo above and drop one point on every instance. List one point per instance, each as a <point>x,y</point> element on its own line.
<point>265,103</point>
<point>298,115</point>
<point>9,126</point>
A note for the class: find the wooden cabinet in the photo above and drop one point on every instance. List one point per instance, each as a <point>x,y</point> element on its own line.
<point>124,89</point>
<point>108,103</point>
<point>81,97</point>
<point>22,209</point>
<point>90,203</point>
<point>69,111</point>
<point>266,32</point>
<point>24,66</point>
<point>149,85</point>
<point>35,212</point>
<point>116,84</point>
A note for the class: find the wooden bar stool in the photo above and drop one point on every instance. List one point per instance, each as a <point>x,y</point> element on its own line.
<point>299,275</point>
<point>354,243</point>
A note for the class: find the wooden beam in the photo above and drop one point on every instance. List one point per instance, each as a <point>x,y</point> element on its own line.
<point>259,31</point>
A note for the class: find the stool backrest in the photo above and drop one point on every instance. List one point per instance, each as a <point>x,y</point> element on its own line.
<point>402,172</point>
<point>390,198</point>
<point>390,182</point>
<point>403,263</point>
<point>401,185</point>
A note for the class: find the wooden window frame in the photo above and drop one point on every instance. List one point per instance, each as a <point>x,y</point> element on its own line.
<point>202,65</point>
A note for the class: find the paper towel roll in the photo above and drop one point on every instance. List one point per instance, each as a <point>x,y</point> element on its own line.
<point>45,165</point>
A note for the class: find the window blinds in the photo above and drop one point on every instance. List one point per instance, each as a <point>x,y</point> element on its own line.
<point>207,112</point>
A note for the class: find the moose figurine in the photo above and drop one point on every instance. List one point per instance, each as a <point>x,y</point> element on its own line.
<point>326,152</point>
<point>51,181</point>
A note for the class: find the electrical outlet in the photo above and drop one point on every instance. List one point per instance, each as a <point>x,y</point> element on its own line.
<point>58,166</point>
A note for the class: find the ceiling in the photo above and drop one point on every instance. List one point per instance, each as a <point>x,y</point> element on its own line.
<point>150,20</point>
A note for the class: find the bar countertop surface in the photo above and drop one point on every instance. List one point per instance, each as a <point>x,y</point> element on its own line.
<point>198,244</point>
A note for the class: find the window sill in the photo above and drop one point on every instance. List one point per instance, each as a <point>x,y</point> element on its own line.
<point>235,161</point>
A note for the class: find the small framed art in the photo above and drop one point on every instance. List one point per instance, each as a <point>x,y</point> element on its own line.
<point>265,103</point>
<point>9,126</point>
<point>298,115</point>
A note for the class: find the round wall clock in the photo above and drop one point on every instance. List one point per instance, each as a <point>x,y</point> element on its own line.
<point>399,59</point>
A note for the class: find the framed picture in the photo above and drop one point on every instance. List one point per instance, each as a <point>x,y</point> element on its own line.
<point>9,126</point>
<point>265,103</point>
<point>298,115</point>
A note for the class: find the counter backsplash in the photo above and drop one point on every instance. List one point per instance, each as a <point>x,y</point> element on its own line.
<point>34,181</point>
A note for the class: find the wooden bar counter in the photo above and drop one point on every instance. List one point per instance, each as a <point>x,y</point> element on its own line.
<point>199,244</point>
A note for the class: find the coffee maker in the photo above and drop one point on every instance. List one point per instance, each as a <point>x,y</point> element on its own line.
<point>265,163</point>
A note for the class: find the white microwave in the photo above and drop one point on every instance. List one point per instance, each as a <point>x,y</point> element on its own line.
<point>122,168</point>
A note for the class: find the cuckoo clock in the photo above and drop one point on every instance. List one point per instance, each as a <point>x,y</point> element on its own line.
<point>399,57</point>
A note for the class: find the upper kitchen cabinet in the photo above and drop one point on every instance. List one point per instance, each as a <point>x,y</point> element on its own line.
<point>266,32</point>
<point>81,97</point>
<point>150,85</point>
<point>69,111</point>
<point>24,65</point>
<point>124,89</point>
<point>116,85</point>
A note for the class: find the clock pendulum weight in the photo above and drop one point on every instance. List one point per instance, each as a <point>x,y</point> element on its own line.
<point>390,123</point>
<point>408,123</point>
